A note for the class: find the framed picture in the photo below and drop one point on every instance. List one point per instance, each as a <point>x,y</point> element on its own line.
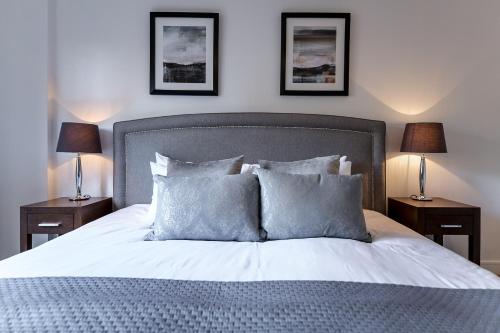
<point>315,54</point>
<point>183,53</point>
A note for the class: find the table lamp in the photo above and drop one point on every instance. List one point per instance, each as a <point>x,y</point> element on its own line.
<point>423,138</point>
<point>79,138</point>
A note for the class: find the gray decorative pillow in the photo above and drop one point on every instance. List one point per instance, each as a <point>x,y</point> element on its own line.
<point>230,166</point>
<point>317,165</point>
<point>221,208</point>
<point>306,206</point>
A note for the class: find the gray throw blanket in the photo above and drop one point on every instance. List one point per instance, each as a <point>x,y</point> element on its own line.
<point>150,305</point>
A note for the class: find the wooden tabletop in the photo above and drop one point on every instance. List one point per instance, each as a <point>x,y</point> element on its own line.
<point>64,202</point>
<point>436,202</point>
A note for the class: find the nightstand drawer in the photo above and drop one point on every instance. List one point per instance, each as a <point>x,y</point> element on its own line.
<point>449,224</point>
<point>50,223</point>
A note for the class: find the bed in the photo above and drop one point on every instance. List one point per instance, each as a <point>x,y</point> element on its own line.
<point>104,276</point>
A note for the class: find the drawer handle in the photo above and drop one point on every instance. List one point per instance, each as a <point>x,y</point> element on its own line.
<point>451,226</point>
<point>49,225</point>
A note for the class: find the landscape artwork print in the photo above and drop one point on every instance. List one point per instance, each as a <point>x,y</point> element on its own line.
<point>314,54</point>
<point>184,54</point>
<point>184,51</point>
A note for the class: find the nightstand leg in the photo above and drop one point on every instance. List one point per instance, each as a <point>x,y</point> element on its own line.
<point>26,242</point>
<point>475,239</point>
<point>25,239</point>
<point>30,242</point>
<point>438,239</point>
<point>474,249</point>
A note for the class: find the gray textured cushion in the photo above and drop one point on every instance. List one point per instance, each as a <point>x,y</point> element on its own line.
<point>230,166</point>
<point>171,167</point>
<point>323,164</point>
<point>224,208</point>
<point>304,206</point>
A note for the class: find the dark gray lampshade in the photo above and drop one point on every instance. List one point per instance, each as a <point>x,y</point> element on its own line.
<point>424,138</point>
<point>79,138</point>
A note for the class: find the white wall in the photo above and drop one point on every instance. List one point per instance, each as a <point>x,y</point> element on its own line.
<point>23,112</point>
<point>411,60</point>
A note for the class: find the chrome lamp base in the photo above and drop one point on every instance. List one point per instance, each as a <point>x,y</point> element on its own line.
<point>420,197</point>
<point>421,178</point>
<point>78,180</point>
<point>80,197</point>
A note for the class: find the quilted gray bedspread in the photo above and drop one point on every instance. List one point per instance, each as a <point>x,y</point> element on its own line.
<point>139,305</point>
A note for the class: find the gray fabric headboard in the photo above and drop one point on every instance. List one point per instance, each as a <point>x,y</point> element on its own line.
<point>271,136</point>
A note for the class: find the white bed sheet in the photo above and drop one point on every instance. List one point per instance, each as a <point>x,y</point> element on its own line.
<point>113,246</point>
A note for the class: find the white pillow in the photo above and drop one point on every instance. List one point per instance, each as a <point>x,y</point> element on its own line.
<point>156,169</point>
<point>344,169</point>
<point>345,166</point>
<point>160,159</point>
<point>249,168</point>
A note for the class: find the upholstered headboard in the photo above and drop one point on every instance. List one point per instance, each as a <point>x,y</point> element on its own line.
<point>271,136</point>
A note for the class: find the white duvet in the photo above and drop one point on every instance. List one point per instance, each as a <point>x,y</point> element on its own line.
<point>113,246</point>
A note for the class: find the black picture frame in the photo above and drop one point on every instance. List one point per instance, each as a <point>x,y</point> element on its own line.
<point>153,87</point>
<point>283,78</point>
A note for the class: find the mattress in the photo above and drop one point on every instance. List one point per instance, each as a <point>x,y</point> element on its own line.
<point>113,246</point>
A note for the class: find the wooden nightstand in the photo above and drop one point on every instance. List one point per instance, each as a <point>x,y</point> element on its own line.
<point>440,217</point>
<point>59,216</point>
